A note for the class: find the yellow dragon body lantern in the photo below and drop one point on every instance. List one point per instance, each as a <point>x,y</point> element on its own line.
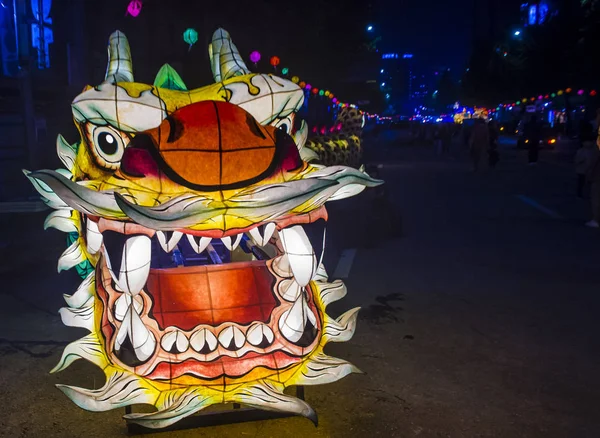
<point>186,210</point>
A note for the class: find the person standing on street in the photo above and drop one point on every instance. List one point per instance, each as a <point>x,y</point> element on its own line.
<point>533,134</point>
<point>479,144</point>
<point>593,176</point>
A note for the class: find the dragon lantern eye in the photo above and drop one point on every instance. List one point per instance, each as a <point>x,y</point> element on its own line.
<point>284,124</point>
<point>108,146</point>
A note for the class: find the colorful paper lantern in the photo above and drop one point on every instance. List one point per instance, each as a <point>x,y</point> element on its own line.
<point>518,102</point>
<point>308,87</point>
<point>334,100</point>
<point>134,8</point>
<point>302,84</point>
<point>190,36</point>
<point>154,345</point>
<point>560,92</point>
<point>331,95</point>
<point>274,61</point>
<point>327,93</point>
<point>295,79</point>
<point>547,96</point>
<point>321,92</point>
<point>540,97</point>
<point>568,90</point>
<point>255,56</point>
<point>285,70</point>
<point>315,90</point>
<point>593,93</point>
<point>580,92</point>
<point>553,95</point>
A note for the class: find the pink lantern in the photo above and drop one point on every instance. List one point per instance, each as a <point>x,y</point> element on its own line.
<point>134,8</point>
<point>580,92</point>
<point>308,87</point>
<point>255,56</point>
<point>540,97</point>
<point>334,100</point>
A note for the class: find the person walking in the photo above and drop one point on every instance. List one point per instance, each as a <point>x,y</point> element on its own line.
<point>593,176</point>
<point>583,158</point>
<point>479,144</point>
<point>494,134</point>
<point>533,134</point>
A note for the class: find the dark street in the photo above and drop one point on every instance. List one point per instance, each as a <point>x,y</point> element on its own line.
<point>478,311</point>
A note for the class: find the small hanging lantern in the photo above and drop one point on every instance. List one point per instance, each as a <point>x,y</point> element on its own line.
<point>568,90</point>
<point>553,95</point>
<point>593,93</point>
<point>134,8</point>
<point>190,36</point>
<point>580,92</point>
<point>285,70</point>
<point>274,61</point>
<point>327,93</point>
<point>302,84</point>
<point>295,79</point>
<point>315,90</point>
<point>255,57</point>
<point>321,92</point>
<point>560,92</point>
<point>308,87</point>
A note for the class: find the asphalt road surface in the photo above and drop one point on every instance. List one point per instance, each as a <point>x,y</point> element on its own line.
<point>480,296</point>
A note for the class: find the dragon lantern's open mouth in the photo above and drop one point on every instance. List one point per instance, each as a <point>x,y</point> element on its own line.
<point>183,304</point>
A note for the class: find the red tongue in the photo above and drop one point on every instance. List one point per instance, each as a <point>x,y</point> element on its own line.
<point>213,294</point>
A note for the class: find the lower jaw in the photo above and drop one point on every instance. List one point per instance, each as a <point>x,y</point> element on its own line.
<point>220,367</point>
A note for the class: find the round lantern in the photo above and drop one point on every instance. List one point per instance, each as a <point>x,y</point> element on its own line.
<point>295,79</point>
<point>327,93</point>
<point>334,100</point>
<point>315,90</point>
<point>553,95</point>
<point>274,61</point>
<point>255,56</point>
<point>580,92</point>
<point>190,36</point>
<point>302,84</point>
<point>134,8</point>
<point>308,87</point>
<point>593,93</point>
<point>560,92</point>
<point>285,70</point>
<point>321,92</point>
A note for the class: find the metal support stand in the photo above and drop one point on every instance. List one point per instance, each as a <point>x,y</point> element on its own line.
<point>217,418</point>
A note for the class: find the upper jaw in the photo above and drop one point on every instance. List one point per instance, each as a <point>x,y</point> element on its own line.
<point>252,205</point>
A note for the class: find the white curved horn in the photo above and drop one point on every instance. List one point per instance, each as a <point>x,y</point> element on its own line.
<point>120,68</point>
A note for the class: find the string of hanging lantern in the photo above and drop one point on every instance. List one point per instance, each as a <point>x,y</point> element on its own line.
<point>546,98</point>
<point>309,89</point>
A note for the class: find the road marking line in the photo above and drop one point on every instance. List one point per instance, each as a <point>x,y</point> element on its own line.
<point>538,206</point>
<point>342,270</point>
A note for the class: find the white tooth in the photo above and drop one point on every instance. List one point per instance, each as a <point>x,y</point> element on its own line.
<point>123,303</point>
<point>198,246</point>
<point>300,253</point>
<point>228,242</point>
<point>201,338</point>
<point>174,240</point>
<point>108,264</point>
<point>141,338</point>
<point>281,266</point>
<point>289,289</point>
<point>176,338</point>
<point>229,333</point>
<point>268,233</point>
<point>258,332</point>
<point>93,237</point>
<point>135,264</point>
<point>293,321</point>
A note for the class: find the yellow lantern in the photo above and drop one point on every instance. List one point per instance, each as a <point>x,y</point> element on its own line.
<point>295,79</point>
<point>560,92</point>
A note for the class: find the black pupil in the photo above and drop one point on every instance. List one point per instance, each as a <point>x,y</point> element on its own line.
<point>107,143</point>
<point>284,127</point>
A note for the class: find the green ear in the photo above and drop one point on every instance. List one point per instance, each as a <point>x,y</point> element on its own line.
<point>168,78</point>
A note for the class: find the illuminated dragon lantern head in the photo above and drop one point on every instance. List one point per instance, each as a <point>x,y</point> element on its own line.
<point>184,210</point>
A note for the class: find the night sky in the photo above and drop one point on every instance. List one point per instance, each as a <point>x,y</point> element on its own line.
<point>317,40</point>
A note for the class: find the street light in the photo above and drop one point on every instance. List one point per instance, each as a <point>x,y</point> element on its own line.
<point>517,32</point>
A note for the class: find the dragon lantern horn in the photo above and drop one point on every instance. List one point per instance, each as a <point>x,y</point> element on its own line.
<point>225,59</point>
<point>119,68</point>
